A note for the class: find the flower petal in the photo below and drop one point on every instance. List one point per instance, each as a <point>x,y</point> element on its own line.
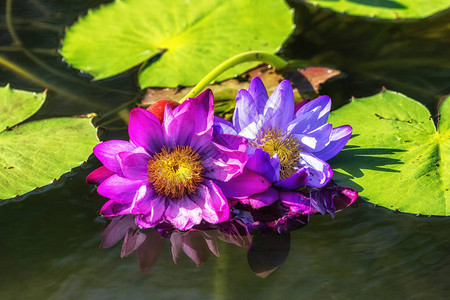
<point>183,213</point>
<point>321,106</point>
<point>106,152</point>
<point>263,199</point>
<point>120,189</point>
<point>260,162</point>
<point>99,175</point>
<point>178,128</point>
<point>145,130</point>
<point>319,171</point>
<point>282,103</point>
<point>295,181</point>
<point>338,139</point>
<point>222,126</point>
<point>149,203</point>
<point>244,185</point>
<point>316,139</point>
<point>259,94</point>
<point>245,111</point>
<point>297,202</point>
<point>212,201</point>
<point>135,165</point>
<point>227,157</point>
<point>201,109</point>
<point>114,209</point>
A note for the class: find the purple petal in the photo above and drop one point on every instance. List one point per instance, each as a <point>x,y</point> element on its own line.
<point>321,105</point>
<point>297,203</point>
<point>148,253</point>
<point>206,101</point>
<point>201,110</point>
<point>135,165</point>
<point>178,129</point>
<point>222,126</point>
<point>282,103</point>
<point>213,203</point>
<point>338,139</point>
<point>244,185</point>
<point>227,157</point>
<point>295,181</point>
<point>99,175</point>
<point>145,130</point>
<point>116,230</point>
<point>300,104</point>
<point>133,240</point>
<point>245,111</point>
<point>315,140</point>
<point>120,189</point>
<point>259,94</point>
<point>114,209</point>
<point>263,199</point>
<point>183,213</point>
<point>106,152</point>
<point>319,171</point>
<point>251,131</point>
<point>231,143</point>
<point>260,162</point>
<point>150,209</point>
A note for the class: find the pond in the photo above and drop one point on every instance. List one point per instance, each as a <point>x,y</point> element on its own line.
<point>49,241</point>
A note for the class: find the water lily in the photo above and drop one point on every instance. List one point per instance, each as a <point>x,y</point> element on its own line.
<point>170,172</point>
<point>288,144</point>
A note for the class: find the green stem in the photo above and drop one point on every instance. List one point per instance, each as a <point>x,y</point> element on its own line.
<point>264,57</point>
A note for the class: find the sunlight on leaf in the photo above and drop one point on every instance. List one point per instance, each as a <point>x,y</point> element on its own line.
<point>187,39</point>
<point>396,158</point>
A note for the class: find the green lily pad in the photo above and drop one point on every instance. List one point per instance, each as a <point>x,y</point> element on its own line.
<point>396,158</point>
<point>385,9</point>
<point>187,39</point>
<point>36,153</point>
<point>16,106</point>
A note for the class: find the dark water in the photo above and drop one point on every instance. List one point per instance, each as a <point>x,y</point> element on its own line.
<point>49,242</point>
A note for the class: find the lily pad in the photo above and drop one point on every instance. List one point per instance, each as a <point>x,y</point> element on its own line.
<point>396,157</point>
<point>184,39</point>
<point>385,9</point>
<point>16,106</point>
<point>36,153</point>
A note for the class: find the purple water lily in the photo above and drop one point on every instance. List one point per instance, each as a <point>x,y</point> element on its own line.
<point>288,144</point>
<point>170,172</point>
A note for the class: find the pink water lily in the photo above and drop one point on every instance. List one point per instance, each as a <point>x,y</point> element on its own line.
<point>171,171</point>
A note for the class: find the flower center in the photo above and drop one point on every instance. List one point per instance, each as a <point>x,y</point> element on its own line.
<point>176,171</point>
<point>285,145</point>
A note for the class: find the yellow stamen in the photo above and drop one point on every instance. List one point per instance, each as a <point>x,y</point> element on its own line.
<point>176,171</point>
<point>275,141</point>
